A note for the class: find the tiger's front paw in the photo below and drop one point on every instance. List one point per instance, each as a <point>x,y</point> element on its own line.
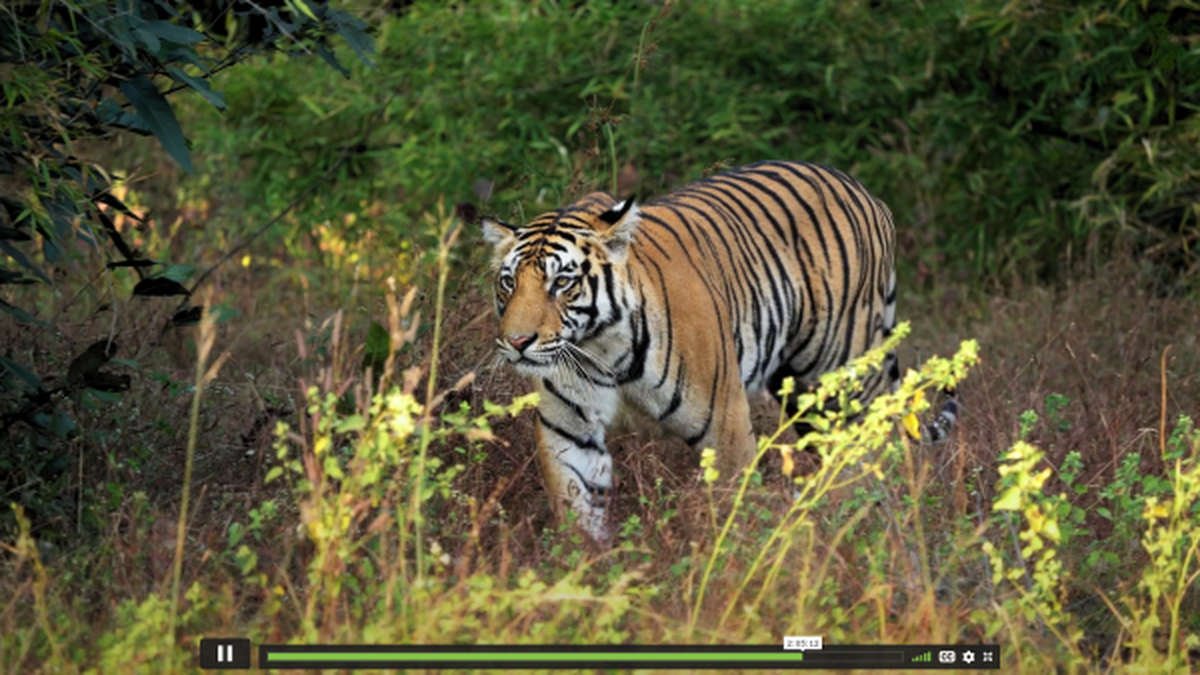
<point>594,521</point>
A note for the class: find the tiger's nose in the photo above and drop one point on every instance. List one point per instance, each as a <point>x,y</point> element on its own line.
<point>520,342</point>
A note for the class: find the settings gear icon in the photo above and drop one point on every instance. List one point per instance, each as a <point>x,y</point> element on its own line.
<point>968,657</point>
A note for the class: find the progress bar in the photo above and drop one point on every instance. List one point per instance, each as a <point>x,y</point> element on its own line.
<point>908,657</point>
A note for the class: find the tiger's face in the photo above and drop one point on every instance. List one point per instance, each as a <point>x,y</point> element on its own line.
<point>554,281</point>
<point>541,301</point>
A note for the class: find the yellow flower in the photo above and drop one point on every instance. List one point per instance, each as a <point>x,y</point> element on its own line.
<point>708,460</point>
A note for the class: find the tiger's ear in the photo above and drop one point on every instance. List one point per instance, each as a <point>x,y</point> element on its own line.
<point>497,232</point>
<point>622,219</point>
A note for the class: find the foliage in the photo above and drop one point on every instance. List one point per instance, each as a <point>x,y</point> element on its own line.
<point>851,454</point>
<point>1021,489</point>
<point>1010,138</point>
<point>379,566</point>
<point>1167,527</point>
<point>72,73</point>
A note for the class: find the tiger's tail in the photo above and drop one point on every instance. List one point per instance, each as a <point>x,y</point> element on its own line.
<point>939,429</point>
<point>943,424</point>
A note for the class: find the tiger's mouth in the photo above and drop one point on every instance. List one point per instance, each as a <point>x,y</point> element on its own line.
<point>558,357</point>
<point>536,365</point>
<point>531,360</point>
<point>538,356</point>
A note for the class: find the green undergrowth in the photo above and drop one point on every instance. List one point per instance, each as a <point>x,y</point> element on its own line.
<point>1012,139</point>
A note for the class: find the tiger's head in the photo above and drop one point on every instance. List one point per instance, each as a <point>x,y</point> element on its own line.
<point>556,281</point>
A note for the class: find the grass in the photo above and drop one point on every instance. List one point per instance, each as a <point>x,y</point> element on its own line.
<point>312,534</point>
<point>323,505</point>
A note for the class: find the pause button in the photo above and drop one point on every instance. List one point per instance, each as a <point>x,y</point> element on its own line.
<point>225,654</point>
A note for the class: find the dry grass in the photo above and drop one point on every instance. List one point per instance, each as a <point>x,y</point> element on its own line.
<point>1097,342</point>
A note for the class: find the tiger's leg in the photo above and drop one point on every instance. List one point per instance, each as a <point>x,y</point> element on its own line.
<point>808,462</point>
<point>938,430</point>
<point>731,433</point>
<point>575,463</point>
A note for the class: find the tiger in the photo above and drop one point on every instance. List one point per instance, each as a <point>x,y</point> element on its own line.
<point>684,306</point>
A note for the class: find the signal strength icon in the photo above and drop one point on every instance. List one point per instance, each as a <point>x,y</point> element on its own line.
<point>927,657</point>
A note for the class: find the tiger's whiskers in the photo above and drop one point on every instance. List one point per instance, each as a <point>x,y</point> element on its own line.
<point>592,360</point>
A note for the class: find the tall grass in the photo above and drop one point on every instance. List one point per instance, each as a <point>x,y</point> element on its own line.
<point>375,533</point>
<point>333,506</point>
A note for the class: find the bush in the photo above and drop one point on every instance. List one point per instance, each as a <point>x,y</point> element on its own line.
<point>1010,140</point>
<point>80,72</point>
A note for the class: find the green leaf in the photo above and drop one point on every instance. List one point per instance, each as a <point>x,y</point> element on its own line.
<point>119,28</point>
<point>34,382</point>
<point>236,530</point>
<point>148,39</point>
<point>354,32</point>
<point>351,423</point>
<point>19,257</point>
<point>247,559</point>
<point>111,113</point>
<point>189,57</point>
<point>173,33</point>
<point>57,423</point>
<point>224,313</point>
<point>104,396</point>
<point>50,250</point>
<point>200,85</point>
<point>302,5</point>
<point>332,468</point>
<point>179,273</point>
<point>330,59</point>
<point>1009,501</point>
<point>159,117</point>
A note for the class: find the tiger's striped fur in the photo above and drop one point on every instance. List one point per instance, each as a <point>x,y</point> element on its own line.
<point>683,306</point>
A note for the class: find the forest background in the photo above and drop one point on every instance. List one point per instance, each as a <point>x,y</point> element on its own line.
<point>332,455</point>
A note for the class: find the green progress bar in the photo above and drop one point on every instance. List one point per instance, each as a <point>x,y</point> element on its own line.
<point>530,657</point>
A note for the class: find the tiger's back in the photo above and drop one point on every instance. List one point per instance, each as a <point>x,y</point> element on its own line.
<point>797,260</point>
<point>685,305</point>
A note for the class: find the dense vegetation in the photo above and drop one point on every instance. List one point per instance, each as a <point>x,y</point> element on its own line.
<point>338,461</point>
<point>1013,138</point>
